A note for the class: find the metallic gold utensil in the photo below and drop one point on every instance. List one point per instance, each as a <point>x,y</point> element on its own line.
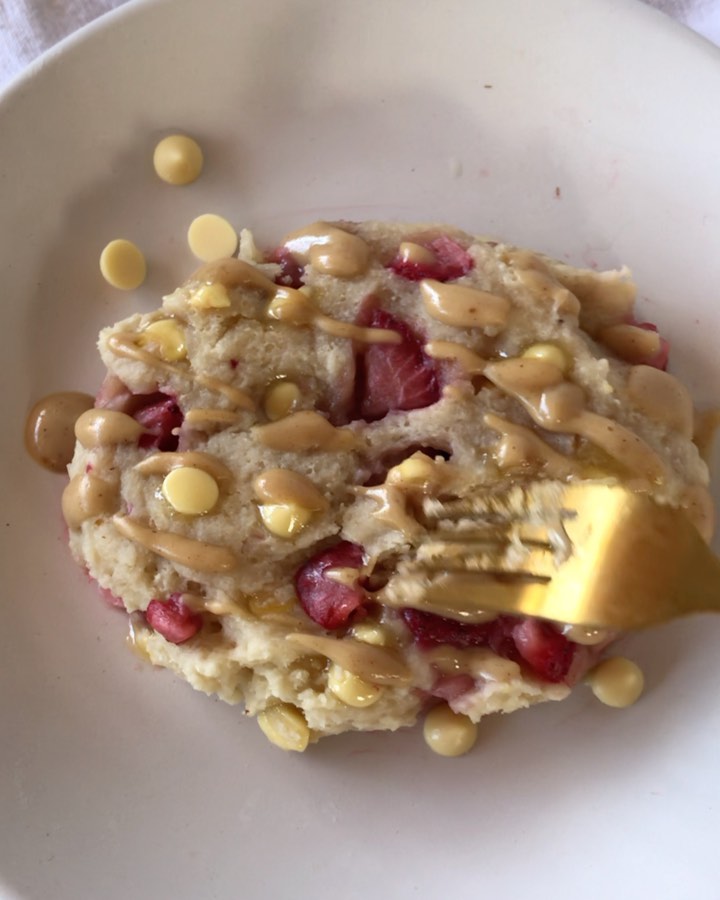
<point>591,553</point>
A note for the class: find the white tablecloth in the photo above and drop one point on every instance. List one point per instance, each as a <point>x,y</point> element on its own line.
<point>27,27</point>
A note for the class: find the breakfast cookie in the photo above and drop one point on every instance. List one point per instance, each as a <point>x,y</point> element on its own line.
<point>275,443</point>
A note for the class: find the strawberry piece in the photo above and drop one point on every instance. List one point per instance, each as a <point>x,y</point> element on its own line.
<point>429,629</point>
<point>450,687</point>
<point>328,602</point>
<point>544,650</point>
<point>171,618</point>
<point>394,376</point>
<point>159,415</point>
<point>291,272</point>
<point>451,261</point>
<point>110,598</point>
<point>114,394</point>
<point>660,359</point>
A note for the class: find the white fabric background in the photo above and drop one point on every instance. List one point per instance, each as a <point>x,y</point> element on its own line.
<point>28,27</point>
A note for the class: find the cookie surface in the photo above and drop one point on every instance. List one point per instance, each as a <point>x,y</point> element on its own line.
<point>266,446</point>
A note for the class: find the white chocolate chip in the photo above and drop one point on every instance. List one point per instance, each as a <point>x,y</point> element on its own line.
<point>281,398</point>
<point>368,632</point>
<point>351,689</point>
<point>549,353</point>
<point>211,237</point>
<point>284,725</point>
<point>122,265</point>
<point>617,682</point>
<point>166,337</point>
<point>190,491</point>
<point>449,733</point>
<point>210,296</point>
<point>416,470</point>
<point>284,520</point>
<point>178,159</point>
<point>410,252</point>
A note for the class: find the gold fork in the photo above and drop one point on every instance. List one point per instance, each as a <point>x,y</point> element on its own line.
<point>590,553</point>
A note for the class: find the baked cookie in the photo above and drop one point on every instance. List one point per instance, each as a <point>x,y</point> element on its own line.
<point>269,446</point>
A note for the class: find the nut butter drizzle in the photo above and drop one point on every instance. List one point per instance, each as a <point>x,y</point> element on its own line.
<point>163,463</point>
<point>197,555</point>
<point>329,250</point>
<point>106,428</point>
<point>87,497</point>
<point>661,397</point>
<point>705,428</point>
<point>462,306</point>
<point>49,428</point>
<point>467,359</point>
<point>295,307</point>
<point>547,288</point>
<point>392,509</point>
<point>123,344</point>
<point>376,665</point>
<point>343,254</point>
<point>287,486</point>
<point>520,447</point>
<point>304,430</point>
<point>202,419</point>
<point>234,395</point>
<point>559,405</point>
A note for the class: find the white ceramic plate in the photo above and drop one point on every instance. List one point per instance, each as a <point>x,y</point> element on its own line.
<point>587,128</point>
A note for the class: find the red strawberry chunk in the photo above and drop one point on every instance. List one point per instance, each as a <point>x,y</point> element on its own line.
<point>110,598</point>
<point>160,416</point>
<point>450,687</point>
<point>660,359</point>
<point>545,650</point>
<point>291,272</point>
<point>451,261</point>
<point>429,629</point>
<point>328,602</point>
<point>114,394</point>
<point>171,618</point>
<point>394,376</point>
<point>534,642</point>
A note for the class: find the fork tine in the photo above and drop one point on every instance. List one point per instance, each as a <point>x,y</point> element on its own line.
<point>592,553</point>
<point>534,562</point>
<point>477,591</point>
